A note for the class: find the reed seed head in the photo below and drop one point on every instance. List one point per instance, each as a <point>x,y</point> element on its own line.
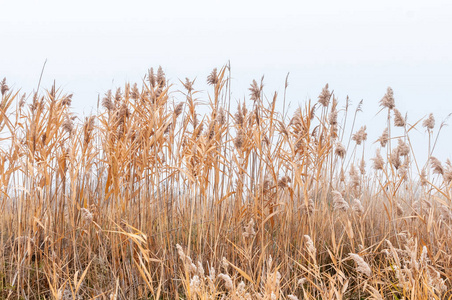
<point>340,150</point>
<point>362,266</point>
<point>107,101</point>
<point>249,230</point>
<point>239,139</point>
<point>3,86</point>
<point>437,166</point>
<point>324,97</point>
<point>388,99</point>
<point>384,138</point>
<point>178,109</point>
<point>358,207</point>
<point>161,79</point>
<point>339,203</point>
<point>402,148</point>
<point>188,85</point>
<point>213,79</point>
<point>360,135</point>
<point>310,245</point>
<point>399,121</point>
<point>429,123</point>
<point>255,90</point>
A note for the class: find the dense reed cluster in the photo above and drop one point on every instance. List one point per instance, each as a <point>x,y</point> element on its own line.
<point>164,195</point>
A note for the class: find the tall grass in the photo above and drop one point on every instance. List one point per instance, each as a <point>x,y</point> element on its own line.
<point>158,198</point>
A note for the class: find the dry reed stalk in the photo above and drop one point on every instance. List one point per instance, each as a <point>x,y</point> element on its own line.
<point>96,208</point>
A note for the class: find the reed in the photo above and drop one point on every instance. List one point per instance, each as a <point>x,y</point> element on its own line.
<point>158,196</point>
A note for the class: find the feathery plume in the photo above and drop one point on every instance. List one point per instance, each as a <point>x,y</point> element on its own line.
<point>255,90</point>
<point>362,266</point>
<point>188,85</point>
<point>22,100</point>
<point>308,206</point>
<point>178,109</point>
<point>3,86</point>
<point>88,128</point>
<point>199,129</point>
<point>297,118</point>
<point>339,203</point>
<point>241,288</point>
<point>224,263</point>
<point>424,260</point>
<point>399,121</point>
<point>357,207</point>
<point>107,101</point>
<point>212,79</point>
<point>195,284</point>
<point>429,123</point>
<point>135,93</point>
<point>332,118</point>
<point>239,116</point>
<point>200,269</point>
<point>211,276</point>
<point>394,158</point>
<point>447,175</point>
<point>68,125</point>
<point>249,230</point>
<point>388,99</point>
<point>67,100</point>
<point>384,138</point>
<point>239,139</point>
<point>423,177</point>
<point>282,183</point>
<point>227,281</point>
<point>123,112</point>
<point>221,118</point>
<point>324,97</point>
<point>402,148</point>
<point>437,166</point>
<point>340,150</point>
<point>362,167</point>
<point>302,281</point>
<point>161,80</point>
<point>180,251</point>
<point>188,263</point>
<point>354,178</point>
<point>360,135</point>
<point>87,216</point>
<point>310,245</point>
<point>151,78</point>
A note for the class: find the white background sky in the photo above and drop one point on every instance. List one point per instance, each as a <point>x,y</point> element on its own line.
<point>358,47</point>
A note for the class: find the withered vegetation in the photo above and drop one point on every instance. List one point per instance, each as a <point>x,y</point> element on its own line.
<point>155,197</point>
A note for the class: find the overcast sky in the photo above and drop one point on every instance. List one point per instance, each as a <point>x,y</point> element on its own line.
<point>358,47</point>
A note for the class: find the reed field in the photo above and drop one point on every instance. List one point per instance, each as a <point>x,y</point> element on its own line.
<point>168,193</point>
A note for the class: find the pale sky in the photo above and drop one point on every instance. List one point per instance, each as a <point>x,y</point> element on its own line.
<point>358,47</point>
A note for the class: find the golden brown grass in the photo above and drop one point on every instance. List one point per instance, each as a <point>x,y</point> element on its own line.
<point>149,199</point>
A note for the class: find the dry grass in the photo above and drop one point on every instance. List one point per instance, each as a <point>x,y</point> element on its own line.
<point>148,199</point>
